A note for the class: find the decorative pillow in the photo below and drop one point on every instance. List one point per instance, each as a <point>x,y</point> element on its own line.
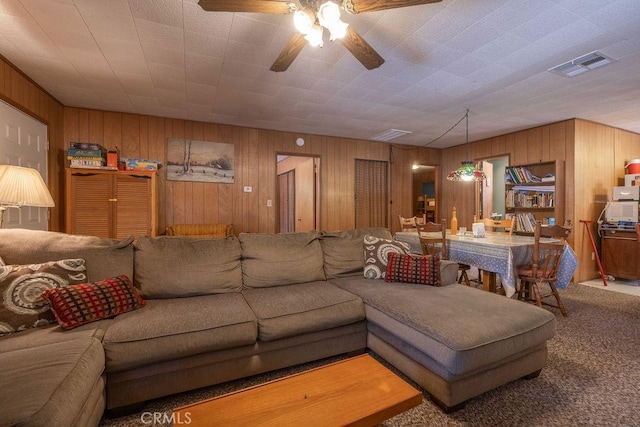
<point>21,285</point>
<point>422,269</point>
<point>376,253</point>
<point>76,305</point>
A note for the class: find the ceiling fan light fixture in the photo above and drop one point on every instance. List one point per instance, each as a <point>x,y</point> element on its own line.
<point>328,14</point>
<point>338,30</point>
<point>314,36</point>
<point>304,20</point>
<point>329,17</point>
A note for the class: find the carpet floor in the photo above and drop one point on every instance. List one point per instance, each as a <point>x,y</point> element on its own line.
<point>592,377</point>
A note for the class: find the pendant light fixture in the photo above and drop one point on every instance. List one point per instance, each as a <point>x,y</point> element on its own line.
<point>467,172</point>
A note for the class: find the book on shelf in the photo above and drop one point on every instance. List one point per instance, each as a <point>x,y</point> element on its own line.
<point>87,146</point>
<point>520,175</point>
<point>525,222</point>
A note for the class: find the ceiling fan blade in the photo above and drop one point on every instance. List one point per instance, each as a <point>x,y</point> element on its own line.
<point>258,6</point>
<point>289,53</point>
<point>362,6</point>
<point>361,49</point>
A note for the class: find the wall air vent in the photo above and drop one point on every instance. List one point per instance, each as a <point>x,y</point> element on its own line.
<point>390,134</point>
<point>582,64</point>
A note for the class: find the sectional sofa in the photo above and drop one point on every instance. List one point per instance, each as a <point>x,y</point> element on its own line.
<point>214,310</point>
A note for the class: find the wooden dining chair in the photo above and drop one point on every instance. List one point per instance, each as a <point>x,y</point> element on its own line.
<point>407,224</point>
<point>543,270</point>
<point>504,226</point>
<point>433,240</point>
<point>422,219</point>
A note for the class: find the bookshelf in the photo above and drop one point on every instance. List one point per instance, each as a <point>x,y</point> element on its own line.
<point>533,192</point>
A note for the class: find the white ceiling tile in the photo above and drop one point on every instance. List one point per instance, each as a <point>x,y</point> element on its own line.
<point>172,59</point>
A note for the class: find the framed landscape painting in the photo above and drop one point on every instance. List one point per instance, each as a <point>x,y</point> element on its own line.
<point>200,161</point>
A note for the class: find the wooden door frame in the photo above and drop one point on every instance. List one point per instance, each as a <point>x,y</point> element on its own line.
<point>317,192</point>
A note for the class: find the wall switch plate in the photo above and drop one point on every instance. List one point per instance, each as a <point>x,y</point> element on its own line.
<point>248,189</point>
<point>269,203</point>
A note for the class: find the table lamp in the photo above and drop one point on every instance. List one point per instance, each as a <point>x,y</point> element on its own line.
<point>21,186</point>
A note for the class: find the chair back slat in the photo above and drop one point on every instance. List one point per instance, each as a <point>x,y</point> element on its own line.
<point>433,239</point>
<point>407,223</point>
<point>546,255</point>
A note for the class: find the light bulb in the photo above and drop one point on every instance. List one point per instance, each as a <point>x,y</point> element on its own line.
<point>303,20</point>
<point>338,30</point>
<point>328,14</point>
<point>314,36</point>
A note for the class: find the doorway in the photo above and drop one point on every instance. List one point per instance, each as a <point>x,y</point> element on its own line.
<point>298,196</point>
<point>489,197</point>
<point>425,192</point>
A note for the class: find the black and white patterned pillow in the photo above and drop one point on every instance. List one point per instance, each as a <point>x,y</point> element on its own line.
<point>22,306</point>
<point>376,255</point>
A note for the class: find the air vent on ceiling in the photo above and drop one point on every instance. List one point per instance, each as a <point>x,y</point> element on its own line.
<point>390,134</point>
<point>582,64</point>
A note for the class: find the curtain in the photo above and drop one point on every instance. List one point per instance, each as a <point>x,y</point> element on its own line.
<point>371,193</point>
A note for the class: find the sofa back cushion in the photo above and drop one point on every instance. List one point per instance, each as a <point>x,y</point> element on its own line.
<point>280,259</point>
<point>169,267</point>
<point>344,252</point>
<point>103,257</point>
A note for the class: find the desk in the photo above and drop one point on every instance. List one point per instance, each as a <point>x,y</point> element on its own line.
<point>497,253</point>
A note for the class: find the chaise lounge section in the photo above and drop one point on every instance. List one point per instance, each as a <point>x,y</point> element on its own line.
<point>221,309</point>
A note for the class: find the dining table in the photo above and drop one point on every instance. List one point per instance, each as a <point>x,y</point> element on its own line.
<point>496,254</point>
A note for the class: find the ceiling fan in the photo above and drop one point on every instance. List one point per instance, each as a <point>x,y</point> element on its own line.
<point>311,17</point>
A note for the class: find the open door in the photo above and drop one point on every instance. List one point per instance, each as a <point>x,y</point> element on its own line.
<point>297,193</point>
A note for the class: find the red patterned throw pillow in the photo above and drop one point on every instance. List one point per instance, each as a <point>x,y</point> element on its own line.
<point>76,305</point>
<point>420,269</point>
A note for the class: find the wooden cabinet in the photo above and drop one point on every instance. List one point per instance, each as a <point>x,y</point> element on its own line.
<point>535,192</point>
<point>110,203</point>
<point>620,253</point>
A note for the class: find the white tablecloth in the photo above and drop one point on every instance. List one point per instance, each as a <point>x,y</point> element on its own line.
<point>498,253</point>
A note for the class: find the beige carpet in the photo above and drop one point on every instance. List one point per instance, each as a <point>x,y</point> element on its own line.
<point>592,376</point>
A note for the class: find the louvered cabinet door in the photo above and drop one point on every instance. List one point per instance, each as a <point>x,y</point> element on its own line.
<point>135,205</point>
<point>88,209</point>
<point>110,203</point>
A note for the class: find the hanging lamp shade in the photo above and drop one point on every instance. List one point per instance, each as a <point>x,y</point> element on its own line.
<point>467,171</point>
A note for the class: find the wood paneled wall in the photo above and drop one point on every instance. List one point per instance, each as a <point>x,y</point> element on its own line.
<point>18,90</point>
<point>594,156</point>
<point>600,155</point>
<point>255,162</point>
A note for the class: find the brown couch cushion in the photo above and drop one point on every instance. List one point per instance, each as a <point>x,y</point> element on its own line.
<point>51,385</point>
<point>22,307</point>
<point>376,253</point>
<point>287,311</point>
<point>343,251</point>
<point>280,259</point>
<point>167,267</point>
<point>170,329</point>
<point>104,258</point>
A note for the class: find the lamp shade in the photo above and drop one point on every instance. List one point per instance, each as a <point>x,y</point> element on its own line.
<point>23,187</point>
<point>466,172</point>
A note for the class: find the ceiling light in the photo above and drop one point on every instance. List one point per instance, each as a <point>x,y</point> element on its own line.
<point>467,172</point>
<point>314,36</point>
<point>329,17</point>
<point>304,20</point>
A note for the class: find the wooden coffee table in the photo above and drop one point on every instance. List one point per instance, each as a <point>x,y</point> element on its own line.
<point>358,391</point>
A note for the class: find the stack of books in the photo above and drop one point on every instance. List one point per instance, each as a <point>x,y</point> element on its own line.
<point>87,155</point>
